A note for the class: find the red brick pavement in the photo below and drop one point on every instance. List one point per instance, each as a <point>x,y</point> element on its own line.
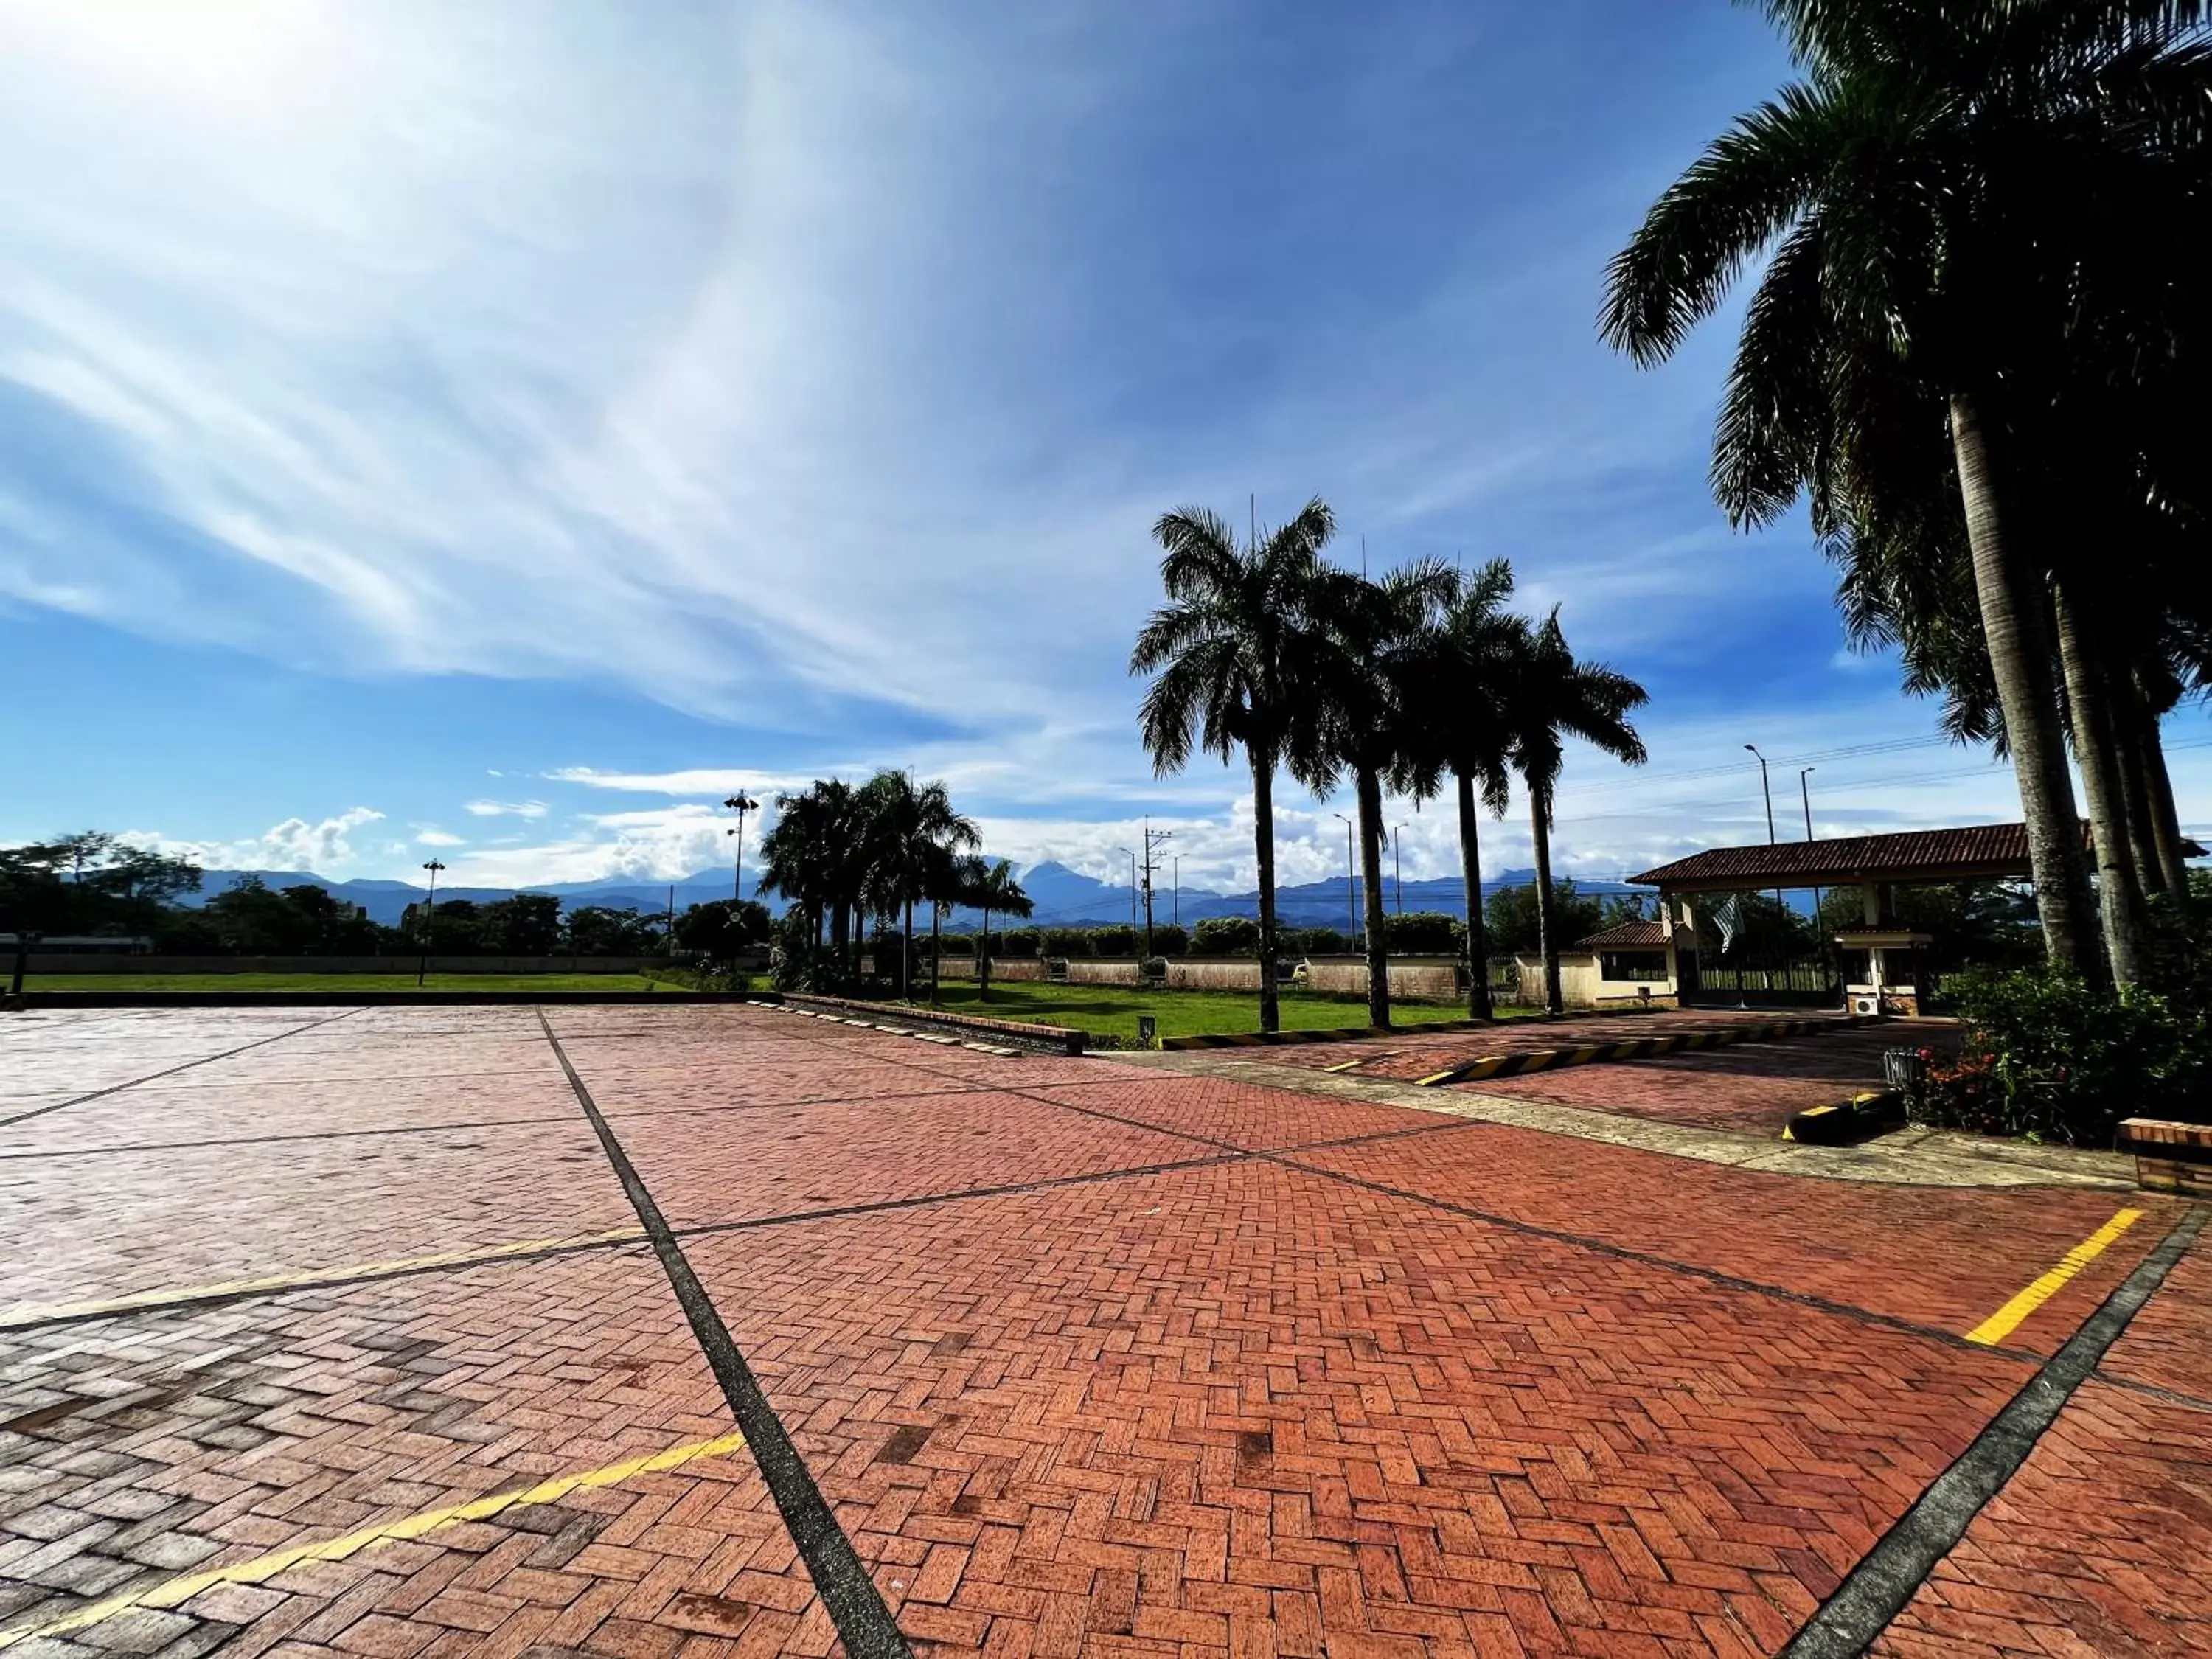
<point>2169,1344</point>
<point>1753,1087</point>
<point>115,1224</point>
<point>1938,1256</point>
<point>140,1449</point>
<point>1248,1409</point>
<point>2098,1546</point>
<point>59,1054</point>
<point>1245,1406</point>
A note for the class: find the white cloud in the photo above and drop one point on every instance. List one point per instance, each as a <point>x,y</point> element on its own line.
<point>502,809</point>
<point>439,838</point>
<point>324,848</point>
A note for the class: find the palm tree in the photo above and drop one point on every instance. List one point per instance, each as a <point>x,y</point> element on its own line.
<point>1464,730</point>
<point>992,888</point>
<point>1372,699</point>
<point>911,833</point>
<point>1554,697</point>
<point>1231,655</point>
<point>1941,194</point>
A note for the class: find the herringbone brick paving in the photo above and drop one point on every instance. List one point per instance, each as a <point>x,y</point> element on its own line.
<point>158,1445</point>
<point>1937,1257</point>
<point>1245,1406</point>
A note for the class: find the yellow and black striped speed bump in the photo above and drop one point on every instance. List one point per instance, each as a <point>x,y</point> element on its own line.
<point>1596,1054</point>
<point>1847,1119</point>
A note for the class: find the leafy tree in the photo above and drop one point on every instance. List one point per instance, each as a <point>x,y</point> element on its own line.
<point>89,883</point>
<point>1555,697</point>
<point>599,930</point>
<point>526,925</point>
<point>1019,942</point>
<point>1426,933</point>
<point>1231,655</point>
<point>911,836</point>
<point>1514,923</point>
<point>1226,936</point>
<point>1170,938</point>
<point>721,929</point>
<point>1066,942</point>
<point>1116,940</point>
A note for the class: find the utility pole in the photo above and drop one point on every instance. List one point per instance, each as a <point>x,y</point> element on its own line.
<point>1152,839</point>
<point>740,806</point>
<point>423,967</point>
<point>1397,864</point>
<point>1350,883</point>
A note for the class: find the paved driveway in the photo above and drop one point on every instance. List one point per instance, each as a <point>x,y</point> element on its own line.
<point>725,1330</point>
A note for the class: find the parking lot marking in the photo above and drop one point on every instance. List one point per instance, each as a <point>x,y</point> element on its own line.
<point>2002,1323</point>
<point>39,1313</point>
<point>175,1592</point>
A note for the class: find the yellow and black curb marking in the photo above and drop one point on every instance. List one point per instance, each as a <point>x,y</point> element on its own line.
<point>1846,1120</point>
<point>1072,1041</point>
<point>1599,1053</point>
<point>1332,1034</point>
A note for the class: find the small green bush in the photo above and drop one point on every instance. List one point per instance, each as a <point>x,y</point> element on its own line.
<point>1317,942</point>
<point>1226,936</point>
<point>1119,939</point>
<point>1425,934</point>
<point>2050,1057</point>
<point>1019,942</point>
<point>1066,942</point>
<point>1170,939</point>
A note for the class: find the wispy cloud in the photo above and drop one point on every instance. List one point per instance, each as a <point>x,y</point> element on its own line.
<point>504,809</point>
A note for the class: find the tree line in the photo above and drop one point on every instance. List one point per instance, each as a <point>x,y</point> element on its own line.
<point>92,885</point>
<point>1977,347</point>
<point>1418,682</point>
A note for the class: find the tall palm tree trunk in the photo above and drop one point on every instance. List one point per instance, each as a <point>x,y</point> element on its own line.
<point>2011,600</point>
<point>1370,870</point>
<point>1548,926</point>
<point>2135,793</point>
<point>1470,870</point>
<point>2158,797</point>
<point>2119,894</point>
<point>1263,838</point>
<point>936,949</point>
<point>906,954</point>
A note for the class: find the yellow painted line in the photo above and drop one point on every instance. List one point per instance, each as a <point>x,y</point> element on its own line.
<point>1345,1064</point>
<point>2002,1323</point>
<point>175,1592</point>
<point>1434,1079</point>
<point>38,1312</point>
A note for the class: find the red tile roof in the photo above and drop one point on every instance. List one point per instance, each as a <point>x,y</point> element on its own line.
<point>1625,936</point>
<point>1981,849</point>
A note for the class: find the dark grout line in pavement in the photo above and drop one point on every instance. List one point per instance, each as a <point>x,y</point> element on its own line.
<point>208,1059</point>
<point>855,1606</point>
<point>1886,1579</point>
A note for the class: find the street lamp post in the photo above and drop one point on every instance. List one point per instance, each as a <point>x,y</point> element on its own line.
<point>1769,794</point>
<point>423,966</point>
<point>1805,793</point>
<point>740,806</point>
<point>1350,883</point>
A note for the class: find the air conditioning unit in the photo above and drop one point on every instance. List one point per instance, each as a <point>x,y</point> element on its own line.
<point>1868,1005</point>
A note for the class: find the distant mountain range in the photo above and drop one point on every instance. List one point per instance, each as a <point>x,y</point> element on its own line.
<point>1063,897</point>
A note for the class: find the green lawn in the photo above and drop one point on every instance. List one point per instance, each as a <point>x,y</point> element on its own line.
<point>1112,1010</point>
<point>333,983</point>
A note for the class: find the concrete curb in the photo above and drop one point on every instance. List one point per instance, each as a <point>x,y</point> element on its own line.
<point>853,1013</point>
<point>34,1000</point>
<point>1598,1053</point>
<point>1846,1120</point>
<point>1326,1034</point>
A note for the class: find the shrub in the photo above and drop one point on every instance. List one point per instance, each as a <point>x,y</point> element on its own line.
<point>1066,942</point>
<point>956,944</point>
<point>1226,936</point>
<point>1425,934</point>
<point>1021,942</point>
<point>1170,939</point>
<point>1317,942</point>
<point>1117,939</point>
<point>2050,1057</point>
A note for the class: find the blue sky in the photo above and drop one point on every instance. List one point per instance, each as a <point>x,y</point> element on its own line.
<point>495,432</point>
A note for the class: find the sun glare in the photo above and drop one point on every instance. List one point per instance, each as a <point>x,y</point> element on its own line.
<point>240,55</point>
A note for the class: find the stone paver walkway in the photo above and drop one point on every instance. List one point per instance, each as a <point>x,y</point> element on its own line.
<point>354,1341</point>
